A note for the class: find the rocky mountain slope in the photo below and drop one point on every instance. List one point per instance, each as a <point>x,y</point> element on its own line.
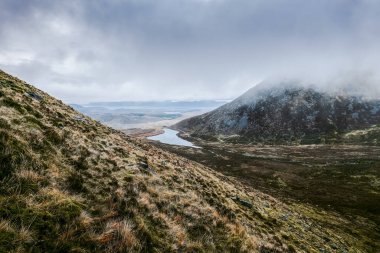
<point>287,114</point>
<point>70,184</point>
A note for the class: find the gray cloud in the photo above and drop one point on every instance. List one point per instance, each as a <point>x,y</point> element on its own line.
<point>83,51</point>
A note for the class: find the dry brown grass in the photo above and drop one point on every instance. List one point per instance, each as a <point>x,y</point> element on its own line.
<point>23,234</point>
<point>29,175</point>
<point>119,236</point>
<point>6,226</point>
<point>179,206</point>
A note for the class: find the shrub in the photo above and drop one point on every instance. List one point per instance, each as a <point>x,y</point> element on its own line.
<point>75,182</point>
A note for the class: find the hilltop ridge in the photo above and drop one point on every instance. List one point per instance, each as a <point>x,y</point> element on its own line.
<point>71,184</point>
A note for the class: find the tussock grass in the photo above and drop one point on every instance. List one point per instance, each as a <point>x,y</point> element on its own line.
<point>14,155</point>
<point>78,186</point>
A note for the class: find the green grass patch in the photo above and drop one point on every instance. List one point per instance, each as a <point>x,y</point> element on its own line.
<point>34,112</point>
<point>4,124</point>
<point>35,121</point>
<point>8,241</point>
<point>13,155</point>
<point>75,182</point>
<point>53,136</point>
<point>13,104</point>
<point>47,224</point>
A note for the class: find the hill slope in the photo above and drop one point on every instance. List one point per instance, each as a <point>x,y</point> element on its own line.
<point>286,114</point>
<point>70,184</point>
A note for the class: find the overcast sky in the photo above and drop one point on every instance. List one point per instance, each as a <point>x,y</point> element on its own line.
<point>103,50</point>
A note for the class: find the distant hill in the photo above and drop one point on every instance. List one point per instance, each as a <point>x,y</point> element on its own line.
<point>148,114</point>
<point>181,105</point>
<point>71,184</point>
<point>288,114</point>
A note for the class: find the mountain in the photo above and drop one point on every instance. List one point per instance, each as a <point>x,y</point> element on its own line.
<point>286,113</point>
<point>71,184</point>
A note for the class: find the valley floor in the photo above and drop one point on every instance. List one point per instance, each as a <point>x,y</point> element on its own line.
<point>344,179</point>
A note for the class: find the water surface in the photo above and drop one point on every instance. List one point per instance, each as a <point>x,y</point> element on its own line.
<point>170,137</point>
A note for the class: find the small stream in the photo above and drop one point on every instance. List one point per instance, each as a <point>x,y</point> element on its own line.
<point>170,137</point>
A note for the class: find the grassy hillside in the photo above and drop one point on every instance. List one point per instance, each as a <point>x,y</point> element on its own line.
<point>343,178</point>
<point>70,184</point>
